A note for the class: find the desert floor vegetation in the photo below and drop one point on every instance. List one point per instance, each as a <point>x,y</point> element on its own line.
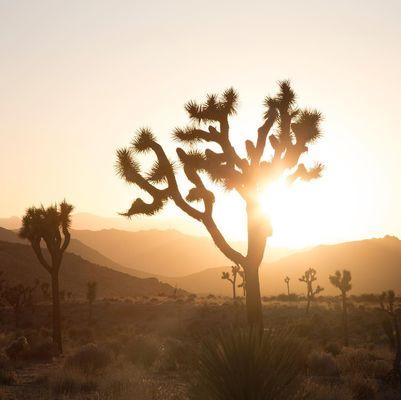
<point>152,348</point>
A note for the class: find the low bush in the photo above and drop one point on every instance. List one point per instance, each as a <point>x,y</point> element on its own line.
<point>322,364</point>
<point>89,359</point>
<point>143,350</point>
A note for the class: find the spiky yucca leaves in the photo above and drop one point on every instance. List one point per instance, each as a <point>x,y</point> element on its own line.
<point>245,365</point>
<point>295,129</point>
<point>393,310</point>
<point>341,281</point>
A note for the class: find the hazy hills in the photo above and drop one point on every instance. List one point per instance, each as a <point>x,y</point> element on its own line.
<point>149,252</point>
<point>20,266</point>
<point>375,265</point>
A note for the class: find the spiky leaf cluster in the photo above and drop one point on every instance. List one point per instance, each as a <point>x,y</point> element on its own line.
<point>294,130</point>
<point>342,280</point>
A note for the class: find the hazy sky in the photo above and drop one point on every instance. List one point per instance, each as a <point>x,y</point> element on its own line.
<point>77,78</point>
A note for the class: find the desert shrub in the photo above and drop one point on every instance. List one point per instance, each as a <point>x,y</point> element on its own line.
<point>81,335</point>
<point>333,348</point>
<point>40,349</point>
<point>362,388</point>
<point>89,359</point>
<point>244,364</point>
<point>143,350</point>
<point>318,391</point>
<point>178,355</point>
<point>356,361</point>
<point>70,381</point>
<point>7,377</point>
<point>322,364</point>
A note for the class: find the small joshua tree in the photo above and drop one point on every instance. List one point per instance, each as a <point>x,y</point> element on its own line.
<point>248,175</point>
<point>50,225</point>
<point>343,282</point>
<point>91,294</point>
<point>309,277</point>
<point>232,279</point>
<point>287,282</point>
<point>387,304</point>
<point>19,298</point>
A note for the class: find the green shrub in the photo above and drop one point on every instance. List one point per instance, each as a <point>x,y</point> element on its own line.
<point>245,365</point>
<point>89,359</point>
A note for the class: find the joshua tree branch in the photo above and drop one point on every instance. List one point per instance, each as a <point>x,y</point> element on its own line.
<point>38,251</point>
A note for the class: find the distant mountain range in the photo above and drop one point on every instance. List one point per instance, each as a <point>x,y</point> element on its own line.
<point>19,265</point>
<point>197,265</point>
<point>375,265</point>
<point>150,252</point>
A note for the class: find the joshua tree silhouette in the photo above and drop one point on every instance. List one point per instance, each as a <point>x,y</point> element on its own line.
<point>343,282</point>
<point>52,226</point>
<point>309,277</point>
<point>91,294</point>
<point>287,282</point>
<point>387,304</point>
<point>233,278</point>
<point>296,129</point>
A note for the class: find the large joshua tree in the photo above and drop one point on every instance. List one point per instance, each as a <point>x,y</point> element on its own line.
<point>52,226</point>
<point>295,130</point>
<point>342,281</point>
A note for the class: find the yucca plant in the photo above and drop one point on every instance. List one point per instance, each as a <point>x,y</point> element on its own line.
<point>273,154</point>
<point>247,365</point>
<point>287,282</point>
<point>50,226</point>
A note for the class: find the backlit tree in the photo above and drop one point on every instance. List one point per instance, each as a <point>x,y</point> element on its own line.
<point>51,226</point>
<point>217,159</point>
<point>232,278</point>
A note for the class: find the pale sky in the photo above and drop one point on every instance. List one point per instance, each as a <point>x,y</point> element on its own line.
<point>77,78</point>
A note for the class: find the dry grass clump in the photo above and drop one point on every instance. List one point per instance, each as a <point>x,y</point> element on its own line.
<point>89,359</point>
<point>320,391</point>
<point>322,364</point>
<point>143,350</point>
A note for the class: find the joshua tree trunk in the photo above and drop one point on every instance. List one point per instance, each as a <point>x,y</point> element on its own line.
<point>56,312</point>
<point>308,305</point>
<point>258,231</point>
<point>253,301</point>
<point>345,319</point>
<point>288,288</point>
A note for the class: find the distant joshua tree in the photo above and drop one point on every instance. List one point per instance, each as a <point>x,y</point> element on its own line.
<point>91,294</point>
<point>309,277</point>
<point>287,282</point>
<point>233,278</point>
<point>343,282</point>
<point>52,226</point>
<point>249,176</point>
<point>19,297</point>
<point>387,304</point>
